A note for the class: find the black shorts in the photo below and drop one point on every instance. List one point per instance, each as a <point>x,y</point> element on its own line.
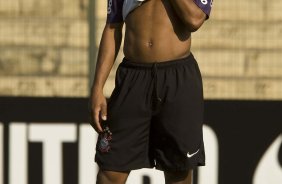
<point>155,118</point>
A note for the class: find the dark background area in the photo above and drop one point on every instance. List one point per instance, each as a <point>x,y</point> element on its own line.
<point>245,129</point>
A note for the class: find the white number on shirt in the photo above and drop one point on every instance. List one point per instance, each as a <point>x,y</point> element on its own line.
<point>110,6</point>
<point>204,2</point>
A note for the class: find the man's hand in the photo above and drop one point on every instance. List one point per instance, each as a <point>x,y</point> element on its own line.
<point>98,110</point>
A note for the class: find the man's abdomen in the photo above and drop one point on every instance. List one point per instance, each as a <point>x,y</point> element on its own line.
<point>154,33</point>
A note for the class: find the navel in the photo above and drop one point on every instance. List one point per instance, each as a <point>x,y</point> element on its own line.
<point>150,43</point>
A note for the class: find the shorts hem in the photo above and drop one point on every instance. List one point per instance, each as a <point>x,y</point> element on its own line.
<point>179,169</point>
<point>125,169</point>
<point>158,167</point>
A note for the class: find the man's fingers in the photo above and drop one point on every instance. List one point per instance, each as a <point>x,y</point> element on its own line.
<point>104,112</point>
<point>97,120</point>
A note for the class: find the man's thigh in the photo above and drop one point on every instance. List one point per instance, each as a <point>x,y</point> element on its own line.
<point>182,177</point>
<point>111,177</point>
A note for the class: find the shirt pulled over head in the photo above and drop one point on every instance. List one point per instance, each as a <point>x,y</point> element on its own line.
<point>119,9</point>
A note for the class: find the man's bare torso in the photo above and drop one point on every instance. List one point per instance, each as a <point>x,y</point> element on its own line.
<point>157,31</point>
<point>154,33</point>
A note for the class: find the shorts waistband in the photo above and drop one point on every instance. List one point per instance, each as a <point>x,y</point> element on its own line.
<point>164,64</point>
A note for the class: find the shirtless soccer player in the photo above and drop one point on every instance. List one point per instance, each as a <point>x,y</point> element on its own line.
<point>154,115</point>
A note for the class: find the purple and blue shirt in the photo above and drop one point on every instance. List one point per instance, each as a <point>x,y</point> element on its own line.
<point>119,9</point>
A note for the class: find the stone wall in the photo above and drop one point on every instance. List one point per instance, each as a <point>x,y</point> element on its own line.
<point>44,48</point>
<point>239,50</point>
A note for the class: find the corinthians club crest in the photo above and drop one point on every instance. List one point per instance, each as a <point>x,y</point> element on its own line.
<point>104,140</point>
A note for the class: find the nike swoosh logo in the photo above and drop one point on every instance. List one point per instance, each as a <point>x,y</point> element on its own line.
<point>190,155</point>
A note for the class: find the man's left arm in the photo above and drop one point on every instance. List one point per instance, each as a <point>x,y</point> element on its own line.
<point>192,12</point>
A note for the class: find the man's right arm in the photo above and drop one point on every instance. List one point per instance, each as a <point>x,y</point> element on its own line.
<point>108,50</point>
